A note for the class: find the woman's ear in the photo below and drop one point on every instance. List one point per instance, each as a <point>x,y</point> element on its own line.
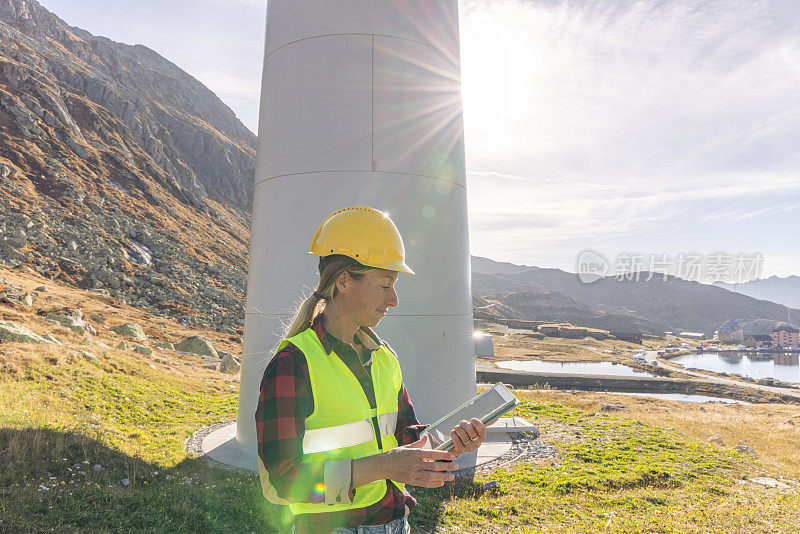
<point>343,281</point>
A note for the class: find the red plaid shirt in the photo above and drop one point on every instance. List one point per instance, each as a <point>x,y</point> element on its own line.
<point>284,404</point>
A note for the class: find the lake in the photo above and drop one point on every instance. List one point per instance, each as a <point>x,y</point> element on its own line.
<point>780,366</point>
<point>575,368</point>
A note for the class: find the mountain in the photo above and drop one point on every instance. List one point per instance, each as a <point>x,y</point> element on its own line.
<point>650,306</point>
<point>120,172</point>
<point>487,266</point>
<point>784,291</point>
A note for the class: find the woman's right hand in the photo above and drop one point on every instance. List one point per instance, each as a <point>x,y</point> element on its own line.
<point>412,464</point>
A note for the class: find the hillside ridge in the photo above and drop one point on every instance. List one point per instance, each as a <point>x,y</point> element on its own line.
<point>120,172</point>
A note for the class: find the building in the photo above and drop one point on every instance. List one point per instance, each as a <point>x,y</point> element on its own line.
<point>729,332</point>
<point>758,341</point>
<point>550,330</point>
<point>479,324</point>
<point>630,337</point>
<point>520,324</point>
<point>484,348</point>
<point>692,335</point>
<point>573,332</point>
<point>785,336</point>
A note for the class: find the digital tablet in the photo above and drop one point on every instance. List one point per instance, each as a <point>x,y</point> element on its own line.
<point>488,407</point>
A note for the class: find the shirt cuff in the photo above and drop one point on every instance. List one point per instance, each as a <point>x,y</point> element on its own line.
<point>337,478</point>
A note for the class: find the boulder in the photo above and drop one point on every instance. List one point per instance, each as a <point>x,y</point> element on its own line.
<point>97,318</point>
<point>52,339</point>
<point>41,289</point>
<point>770,482</point>
<point>745,449</point>
<point>18,334</point>
<point>606,407</point>
<point>74,321</point>
<point>89,356</point>
<point>131,330</point>
<point>229,364</point>
<point>141,349</point>
<point>166,345</point>
<point>197,345</point>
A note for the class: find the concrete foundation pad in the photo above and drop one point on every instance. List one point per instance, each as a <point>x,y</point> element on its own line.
<point>505,425</point>
<point>220,446</point>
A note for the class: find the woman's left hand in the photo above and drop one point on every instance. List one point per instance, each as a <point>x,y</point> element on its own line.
<point>468,436</point>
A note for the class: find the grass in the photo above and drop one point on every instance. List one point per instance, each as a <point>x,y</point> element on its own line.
<point>59,421</point>
<point>611,474</point>
<point>644,469</point>
<point>772,430</point>
<point>614,475</point>
<point>60,415</point>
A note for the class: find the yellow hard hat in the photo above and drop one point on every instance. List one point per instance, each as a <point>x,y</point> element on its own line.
<point>364,234</point>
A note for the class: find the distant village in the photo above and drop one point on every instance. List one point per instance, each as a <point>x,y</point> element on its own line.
<point>729,336</point>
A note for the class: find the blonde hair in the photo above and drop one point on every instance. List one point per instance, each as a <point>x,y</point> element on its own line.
<point>330,267</point>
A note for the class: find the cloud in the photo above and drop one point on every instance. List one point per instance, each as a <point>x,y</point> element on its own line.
<point>620,121</point>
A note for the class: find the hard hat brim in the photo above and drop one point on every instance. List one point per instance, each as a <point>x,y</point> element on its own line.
<point>397,266</point>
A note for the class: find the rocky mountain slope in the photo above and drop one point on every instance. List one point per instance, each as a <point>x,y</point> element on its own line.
<point>120,172</point>
<point>652,306</point>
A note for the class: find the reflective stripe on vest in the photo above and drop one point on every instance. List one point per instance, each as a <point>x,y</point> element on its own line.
<point>387,422</point>
<point>337,437</point>
<point>341,426</point>
<point>347,435</point>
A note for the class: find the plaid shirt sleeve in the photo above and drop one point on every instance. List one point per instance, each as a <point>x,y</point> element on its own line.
<point>285,401</point>
<point>408,428</point>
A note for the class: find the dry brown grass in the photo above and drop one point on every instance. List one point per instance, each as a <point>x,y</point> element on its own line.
<point>518,346</point>
<point>61,296</point>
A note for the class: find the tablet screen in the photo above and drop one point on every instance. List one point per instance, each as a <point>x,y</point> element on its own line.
<point>480,407</point>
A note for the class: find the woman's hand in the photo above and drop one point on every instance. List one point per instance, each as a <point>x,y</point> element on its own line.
<point>409,464</point>
<point>467,436</point>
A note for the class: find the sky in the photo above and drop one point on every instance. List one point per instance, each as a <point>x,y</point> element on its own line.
<point>626,128</point>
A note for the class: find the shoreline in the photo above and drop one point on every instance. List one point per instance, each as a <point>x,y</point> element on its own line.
<point>486,373</point>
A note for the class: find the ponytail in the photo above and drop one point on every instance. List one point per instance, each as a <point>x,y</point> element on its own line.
<point>330,267</point>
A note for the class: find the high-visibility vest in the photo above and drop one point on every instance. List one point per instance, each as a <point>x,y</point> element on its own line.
<point>343,423</point>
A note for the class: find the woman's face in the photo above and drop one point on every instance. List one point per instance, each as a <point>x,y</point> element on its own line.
<point>368,298</point>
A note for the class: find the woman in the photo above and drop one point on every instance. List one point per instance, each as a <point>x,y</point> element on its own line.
<point>337,434</point>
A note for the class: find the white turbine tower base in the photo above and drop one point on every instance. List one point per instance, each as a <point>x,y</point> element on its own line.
<point>361,105</point>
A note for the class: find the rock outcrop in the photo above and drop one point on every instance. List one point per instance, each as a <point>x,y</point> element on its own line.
<point>16,333</point>
<point>229,365</point>
<point>74,321</point>
<point>129,330</point>
<point>197,345</point>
